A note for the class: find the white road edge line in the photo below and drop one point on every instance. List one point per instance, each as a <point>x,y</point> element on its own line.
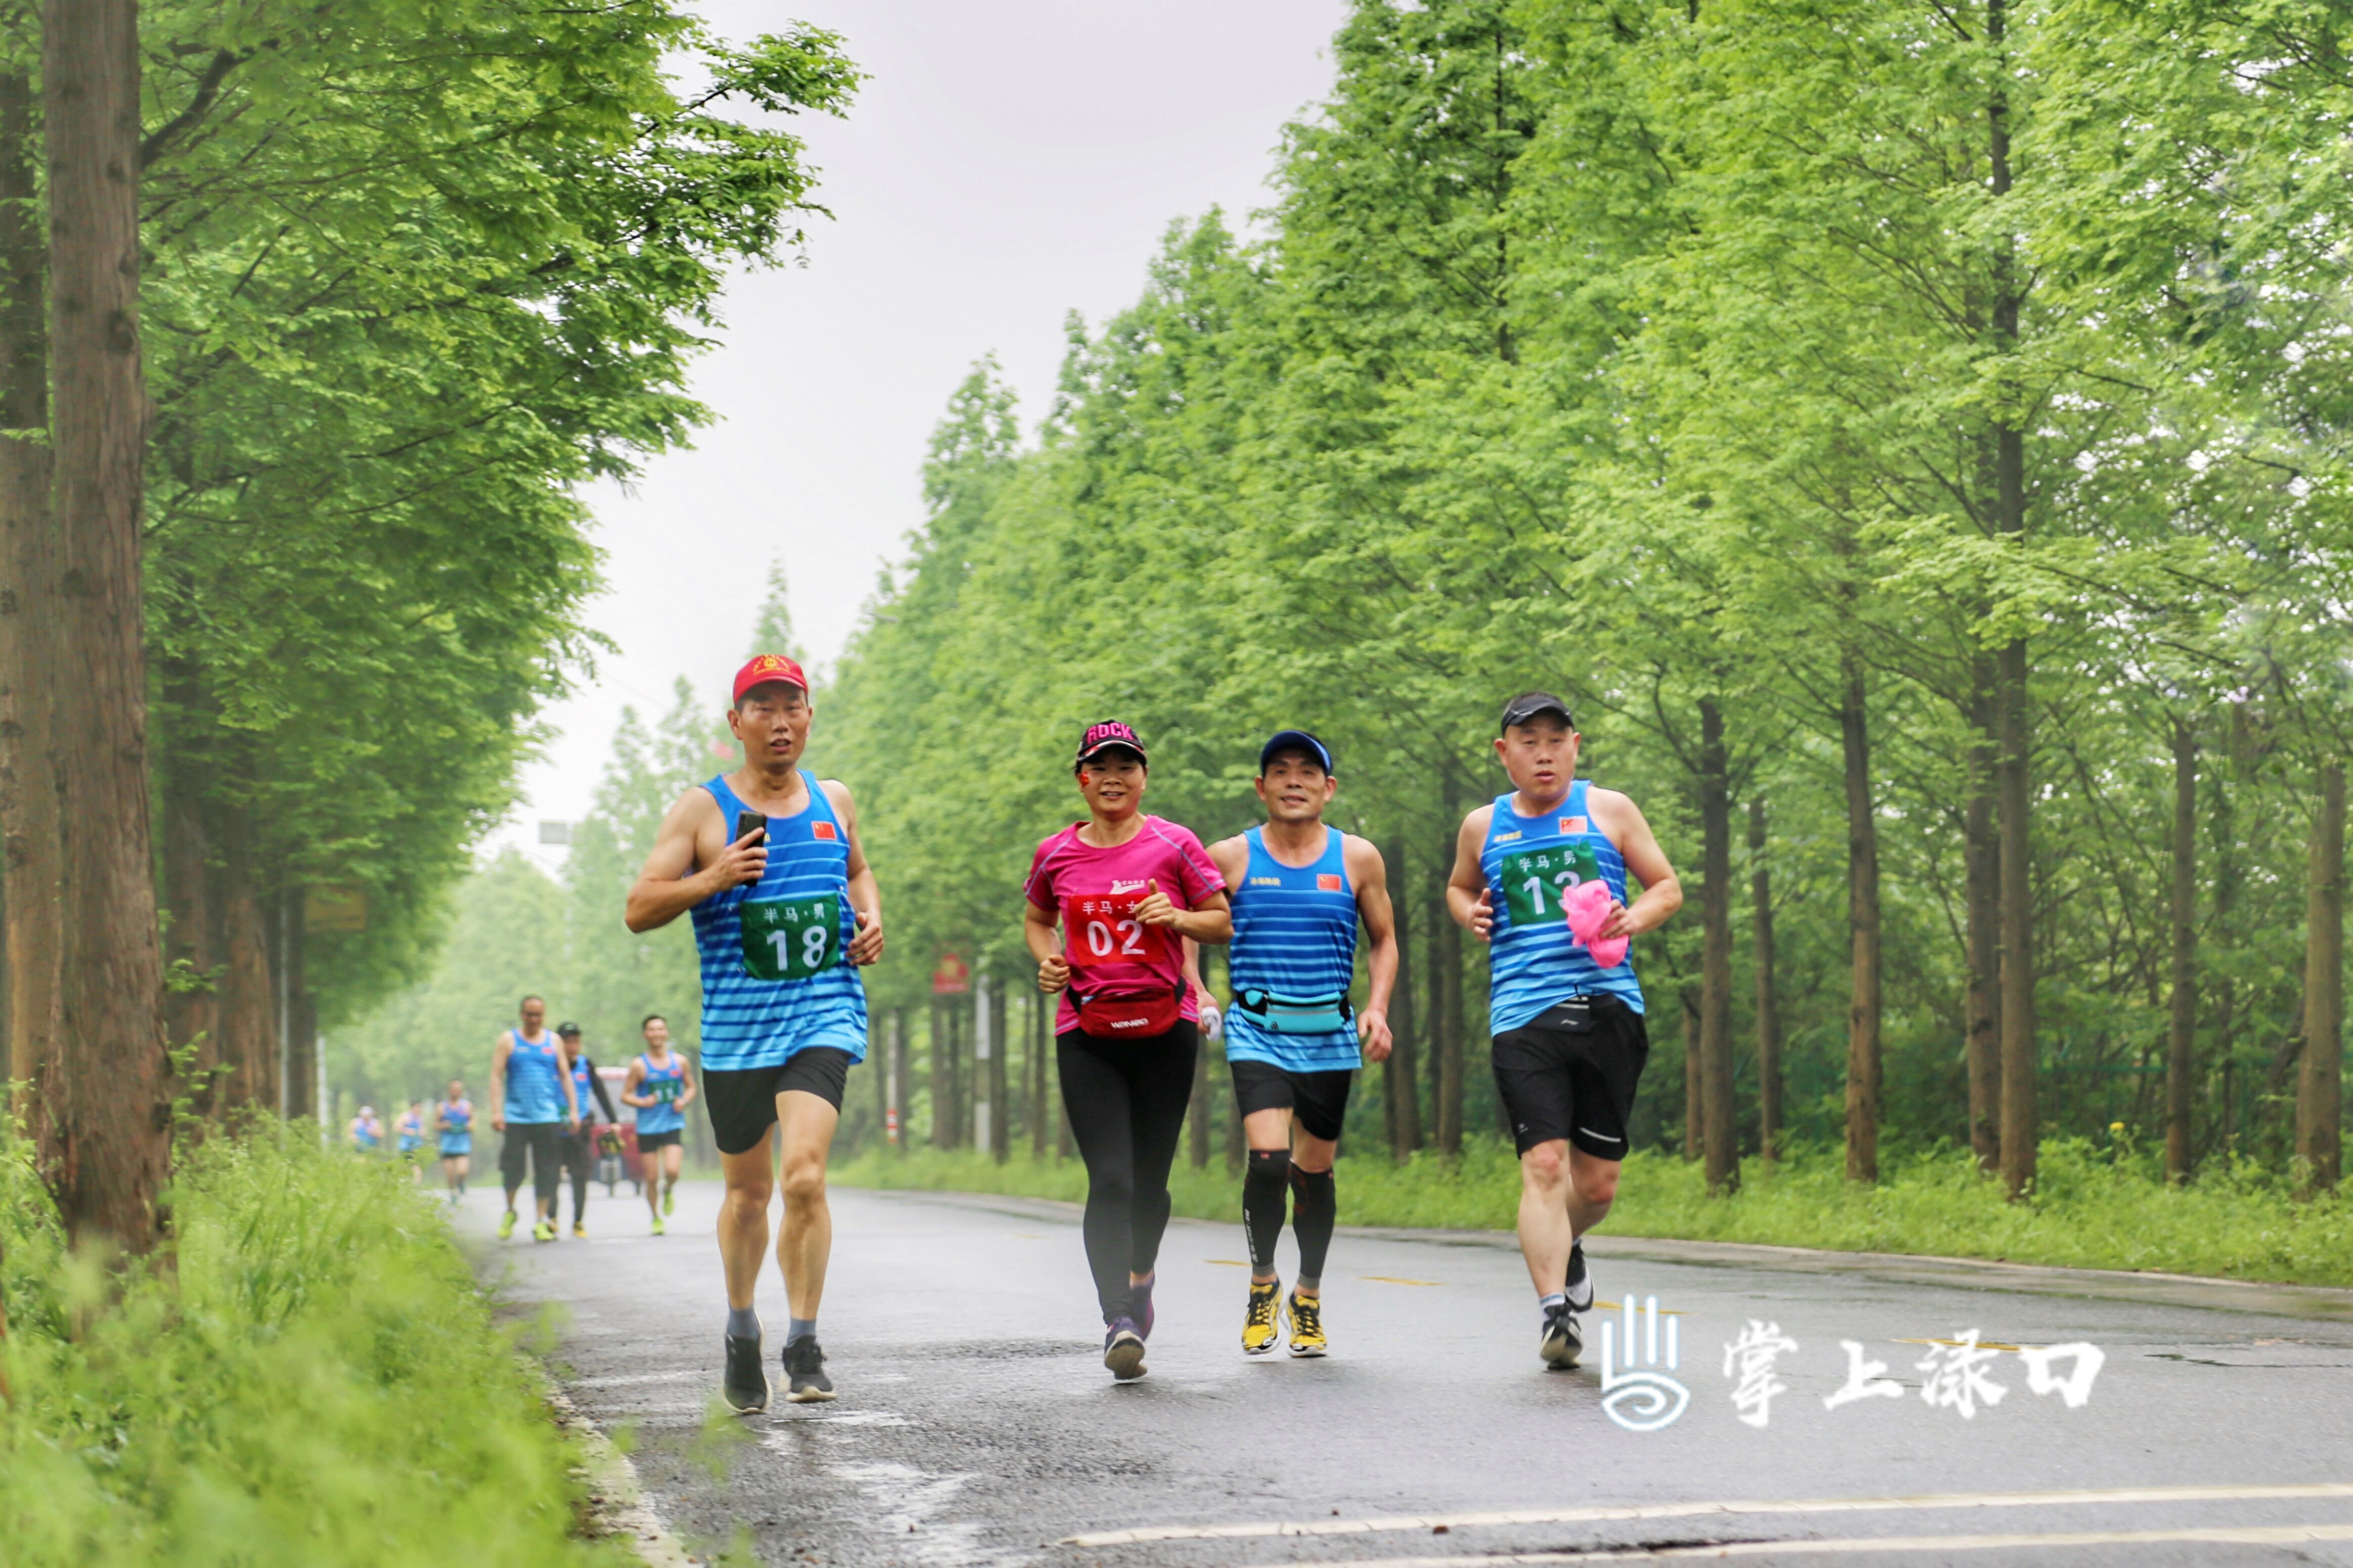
<point>1625,1512</point>
<point>2223,1535</point>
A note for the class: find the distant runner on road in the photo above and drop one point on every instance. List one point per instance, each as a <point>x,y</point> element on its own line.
<point>409,1137</point>
<point>366,1132</point>
<point>580,1147</point>
<point>532,1102</point>
<point>662,1088</point>
<point>1299,888</point>
<point>767,859</point>
<point>1569,1038</point>
<point>455,1117</point>
<point>1126,889</point>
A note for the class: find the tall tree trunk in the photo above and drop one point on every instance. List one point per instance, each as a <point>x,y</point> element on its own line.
<point>1768,998</point>
<point>1000,1109</point>
<point>1044,1094</point>
<point>1694,1128</point>
<point>1981,868</point>
<point>245,1009</point>
<point>300,1017</point>
<point>2319,1089</point>
<point>190,1006</point>
<point>942,1091</point>
<point>1397,1073</point>
<point>2180,1043</point>
<point>1718,1115</point>
<point>1863,1001</point>
<point>110,1148</point>
<point>1446,1029</point>
<point>31,837</point>
<point>2013,786</point>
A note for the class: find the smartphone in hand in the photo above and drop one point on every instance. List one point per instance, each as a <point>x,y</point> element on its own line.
<point>750,822</point>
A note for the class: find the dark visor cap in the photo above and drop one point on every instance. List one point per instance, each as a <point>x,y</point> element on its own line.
<point>1295,741</point>
<point>1111,735</point>
<point>567,1031</point>
<point>1528,705</point>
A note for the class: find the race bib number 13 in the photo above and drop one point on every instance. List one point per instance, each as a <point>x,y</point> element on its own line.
<point>1534,880</point>
<point>790,938</point>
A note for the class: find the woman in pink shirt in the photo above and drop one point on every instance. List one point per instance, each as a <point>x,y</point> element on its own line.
<point>1125,890</point>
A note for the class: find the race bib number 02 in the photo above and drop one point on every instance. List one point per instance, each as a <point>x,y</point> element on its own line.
<point>1535,880</point>
<point>1102,929</point>
<point>790,938</point>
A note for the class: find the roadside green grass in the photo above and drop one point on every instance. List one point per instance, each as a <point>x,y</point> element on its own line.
<point>2092,1208</point>
<point>317,1381</point>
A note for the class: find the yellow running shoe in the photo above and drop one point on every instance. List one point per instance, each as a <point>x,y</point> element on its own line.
<point>669,1201</point>
<point>1306,1314</point>
<point>580,1228</point>
<point>506,1225</point>
<point>1259,1333</point>
<point>542,1231</point>
<point>658,1224</point>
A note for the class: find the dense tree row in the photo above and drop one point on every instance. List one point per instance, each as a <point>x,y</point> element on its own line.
<point>1914,435</point>
<point>391,279</point>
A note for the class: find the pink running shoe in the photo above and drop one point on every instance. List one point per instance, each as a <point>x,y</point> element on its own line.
<point>1589,905</point>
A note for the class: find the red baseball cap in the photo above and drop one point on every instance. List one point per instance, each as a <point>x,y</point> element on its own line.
<point>765,667</point>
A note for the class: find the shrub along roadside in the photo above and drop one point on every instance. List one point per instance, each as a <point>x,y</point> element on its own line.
<point>2092,1208</point>
<point>309,1377</point>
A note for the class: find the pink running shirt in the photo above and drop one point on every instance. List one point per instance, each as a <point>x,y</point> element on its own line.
<point>1096,892</point>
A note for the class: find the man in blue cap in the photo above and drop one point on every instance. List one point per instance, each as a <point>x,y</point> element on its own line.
<point>1292,1040</point>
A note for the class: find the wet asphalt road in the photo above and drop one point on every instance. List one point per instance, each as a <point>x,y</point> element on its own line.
<point>976,1424</point>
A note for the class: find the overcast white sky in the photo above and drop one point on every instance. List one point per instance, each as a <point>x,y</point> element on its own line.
<point>1007,161</point>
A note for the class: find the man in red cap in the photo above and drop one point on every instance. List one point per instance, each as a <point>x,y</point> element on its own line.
<point>767,861</point>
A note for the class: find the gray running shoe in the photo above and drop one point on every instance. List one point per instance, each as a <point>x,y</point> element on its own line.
<point>1561,1344</point>
<point>1123,1350</point>
<point>804,1379</point>
<point>744,1385</point>
<point>1580,1283</point>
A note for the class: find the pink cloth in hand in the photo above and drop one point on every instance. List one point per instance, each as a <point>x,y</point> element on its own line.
<point>1589,905</point>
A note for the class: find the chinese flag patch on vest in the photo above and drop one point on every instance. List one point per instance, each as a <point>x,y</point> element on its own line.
<point>821,830</point>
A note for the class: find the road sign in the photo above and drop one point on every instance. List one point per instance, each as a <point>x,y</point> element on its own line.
<point>334,909</point>
<point>953,977</point>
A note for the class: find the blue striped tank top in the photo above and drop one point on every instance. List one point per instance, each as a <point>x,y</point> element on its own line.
<point>776,974</point>
<point>536,1081</point>
<point>1295,939</point>
<point>1529,862</point>
<point>665,1084</point>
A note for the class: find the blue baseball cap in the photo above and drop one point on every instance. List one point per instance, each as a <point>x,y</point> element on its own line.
<point>1295,741</point>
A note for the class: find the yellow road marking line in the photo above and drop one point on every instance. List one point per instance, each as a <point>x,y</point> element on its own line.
<point>1395,1279</point>
<point>1608,1513</point>
<point>2224,1535</point>
<point>1227,1262</point>
<point>1602,1305</point>
<point>1982,1344</point>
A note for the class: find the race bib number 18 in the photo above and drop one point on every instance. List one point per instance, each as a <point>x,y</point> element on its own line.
<point>790,938</point>
<point>1534,880</point>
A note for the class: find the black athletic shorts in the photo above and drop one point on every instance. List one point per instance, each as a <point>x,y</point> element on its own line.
<point>1570,1073</point>
<point>743,1104</point>
<point>649,1141</point>
<point>1318,1099</point>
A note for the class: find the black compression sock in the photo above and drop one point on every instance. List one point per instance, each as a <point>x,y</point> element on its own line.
<point>1315,1204</point>
<point>1262,1195</point>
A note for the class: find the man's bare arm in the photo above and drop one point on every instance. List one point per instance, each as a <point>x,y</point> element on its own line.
<point>1370,875</point>
<point>1662,890</point>
<point>1467,896</point>
<point>1232,857</point>
<point>865,893</point>
<point>669,884</point>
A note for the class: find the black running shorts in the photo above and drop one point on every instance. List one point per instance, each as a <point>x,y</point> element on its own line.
<point>649,1141</point>
<point>743,1104</point>
<point>1570,1073</point>
<point>1319,1101</point>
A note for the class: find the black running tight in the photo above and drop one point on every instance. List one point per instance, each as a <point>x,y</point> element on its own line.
<point>1126,1103</point>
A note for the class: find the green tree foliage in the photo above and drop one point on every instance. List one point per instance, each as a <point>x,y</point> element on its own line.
<point>1719,367</point>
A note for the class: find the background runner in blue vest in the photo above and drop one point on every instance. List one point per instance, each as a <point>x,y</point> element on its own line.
<point>1569,1041</point>
<point>580,1147</point>
<point>662,1088</point>
<point>366,1132</point>
<point>455,1117</point>
<point>409,1135</point>
<point>1299,888</point>
<point>531,1103</point>
<point>781,915</point>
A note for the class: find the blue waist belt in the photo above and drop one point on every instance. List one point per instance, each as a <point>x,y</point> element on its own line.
<point>1293,1016</point>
